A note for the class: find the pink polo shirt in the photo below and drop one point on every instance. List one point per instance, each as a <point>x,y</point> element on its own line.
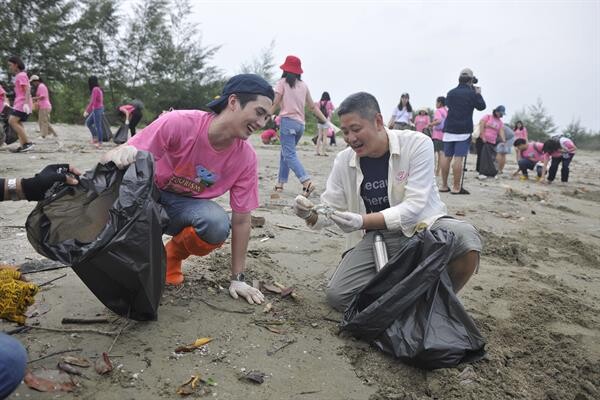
<point>43,97</point>
<point>491,128</point>
<point>187,164</point>
<point>567,146</point>
<point>96,100</point>
<point>328,107</point>
<point>438,131</point>
<point>21,88</point>
<point>421,121</point>
<point>293,99</point>
<point>521,133</point>
<point>534,152</point>
<point>127,108</point>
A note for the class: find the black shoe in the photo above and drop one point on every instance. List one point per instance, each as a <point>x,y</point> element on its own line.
<point>23,149</point>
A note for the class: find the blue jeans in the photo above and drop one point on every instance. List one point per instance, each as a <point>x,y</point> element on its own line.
<point>209,219</point>
<point>289,135</point>
<point>94,123</point>
<point>13,360</point>
<point>564,171</point>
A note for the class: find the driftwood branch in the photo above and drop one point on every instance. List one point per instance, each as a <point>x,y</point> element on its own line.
<point>79,330</point>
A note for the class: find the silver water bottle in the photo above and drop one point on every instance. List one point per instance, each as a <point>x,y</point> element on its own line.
<point>379,251</point>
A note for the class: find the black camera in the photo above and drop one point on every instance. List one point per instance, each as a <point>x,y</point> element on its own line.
<point>474,80</point>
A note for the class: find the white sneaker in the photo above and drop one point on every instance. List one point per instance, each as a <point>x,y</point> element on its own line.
<point>481,177</point>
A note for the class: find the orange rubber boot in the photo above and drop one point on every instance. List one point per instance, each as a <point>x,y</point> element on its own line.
<point>180,247</point>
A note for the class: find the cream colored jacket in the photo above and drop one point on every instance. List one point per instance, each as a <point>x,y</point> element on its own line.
<point>412,192</point>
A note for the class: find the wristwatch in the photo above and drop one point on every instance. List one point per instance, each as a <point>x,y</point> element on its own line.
<point>11,185</point>
<point>239,277</point>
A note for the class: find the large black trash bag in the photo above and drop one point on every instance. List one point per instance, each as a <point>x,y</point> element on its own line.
<point>122,134</point>
<point>410,310</point>
<point>109,229</point>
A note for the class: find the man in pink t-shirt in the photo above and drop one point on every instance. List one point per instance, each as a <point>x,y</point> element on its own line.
<point>22,104</point>
<point>42,98</point>
<point>531,154</point>
<point>200,156</point>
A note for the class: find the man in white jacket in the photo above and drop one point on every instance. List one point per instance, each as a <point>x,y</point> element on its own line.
<point>384,181</point>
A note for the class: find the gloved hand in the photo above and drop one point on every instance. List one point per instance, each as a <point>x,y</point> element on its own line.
<point>252,295</point>
<point>15,295</point>
<point>85,114</point>
<point>26,109</point>
<point>347,221</point>
<point>302,207</point>
<point>127,122</point>
<point>122,156</point>
<point>35,188</point>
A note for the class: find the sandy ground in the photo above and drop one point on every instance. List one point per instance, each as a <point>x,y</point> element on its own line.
<point>536,299</point>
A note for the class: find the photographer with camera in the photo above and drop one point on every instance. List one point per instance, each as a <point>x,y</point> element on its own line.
<point>458,127</point>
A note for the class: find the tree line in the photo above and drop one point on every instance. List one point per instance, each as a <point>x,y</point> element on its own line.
<point>151,52</point>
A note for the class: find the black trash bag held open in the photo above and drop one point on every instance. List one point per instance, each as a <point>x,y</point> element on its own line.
<point>122,134</point>
<point>109,229</point>
<point>410,310</point>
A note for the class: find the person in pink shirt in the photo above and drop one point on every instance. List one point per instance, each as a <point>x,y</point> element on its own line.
<point>422,120</point>
<point>326,107</point>
<point>3,98</point>
<point>42,98</point>
<point>131,114</point>
<point>94,112</point>
<point>491,130</point>
<point>22,104</point>
<point>200,156</point>
<point>531,154</point>
<point>561,150</point>
<point>520,133</point>
<point>269,136</point>
<point>291,95</point>
<point>437,130</point>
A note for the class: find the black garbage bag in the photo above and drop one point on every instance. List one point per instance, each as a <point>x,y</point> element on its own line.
<point>487,164</point>
<point>7,133</point>
<point>109,229</point>
<point>107,133</point>
<point>122,134</point>
<point>410,311</point>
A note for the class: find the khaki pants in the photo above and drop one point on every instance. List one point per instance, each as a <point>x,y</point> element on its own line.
<point>44,121</point>
<point>357,267</point>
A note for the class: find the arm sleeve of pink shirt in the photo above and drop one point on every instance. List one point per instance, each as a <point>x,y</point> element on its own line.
<point>93,96</point>
<point>243,195</point>
<point>158,137</point>
<point>127,108</point>
<point>568,145</point>
<point>279,87</point>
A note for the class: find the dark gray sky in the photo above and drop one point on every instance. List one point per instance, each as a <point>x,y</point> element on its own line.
<point>520,51</point>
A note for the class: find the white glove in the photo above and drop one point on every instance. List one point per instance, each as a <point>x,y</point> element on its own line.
<point>26,109</point>
<point>251,294</point>
<point>347,221</point>
<point>85,114</point>
<point>302,206</point>
<point>122,156</point>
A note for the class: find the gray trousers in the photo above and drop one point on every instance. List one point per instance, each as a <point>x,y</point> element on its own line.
<point>357,267</point>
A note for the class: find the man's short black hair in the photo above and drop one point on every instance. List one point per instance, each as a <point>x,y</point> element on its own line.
<point>519,142</point>
<point>362,103</point>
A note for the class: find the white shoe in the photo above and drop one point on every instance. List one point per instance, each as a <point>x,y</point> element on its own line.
<point>482,177</point>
